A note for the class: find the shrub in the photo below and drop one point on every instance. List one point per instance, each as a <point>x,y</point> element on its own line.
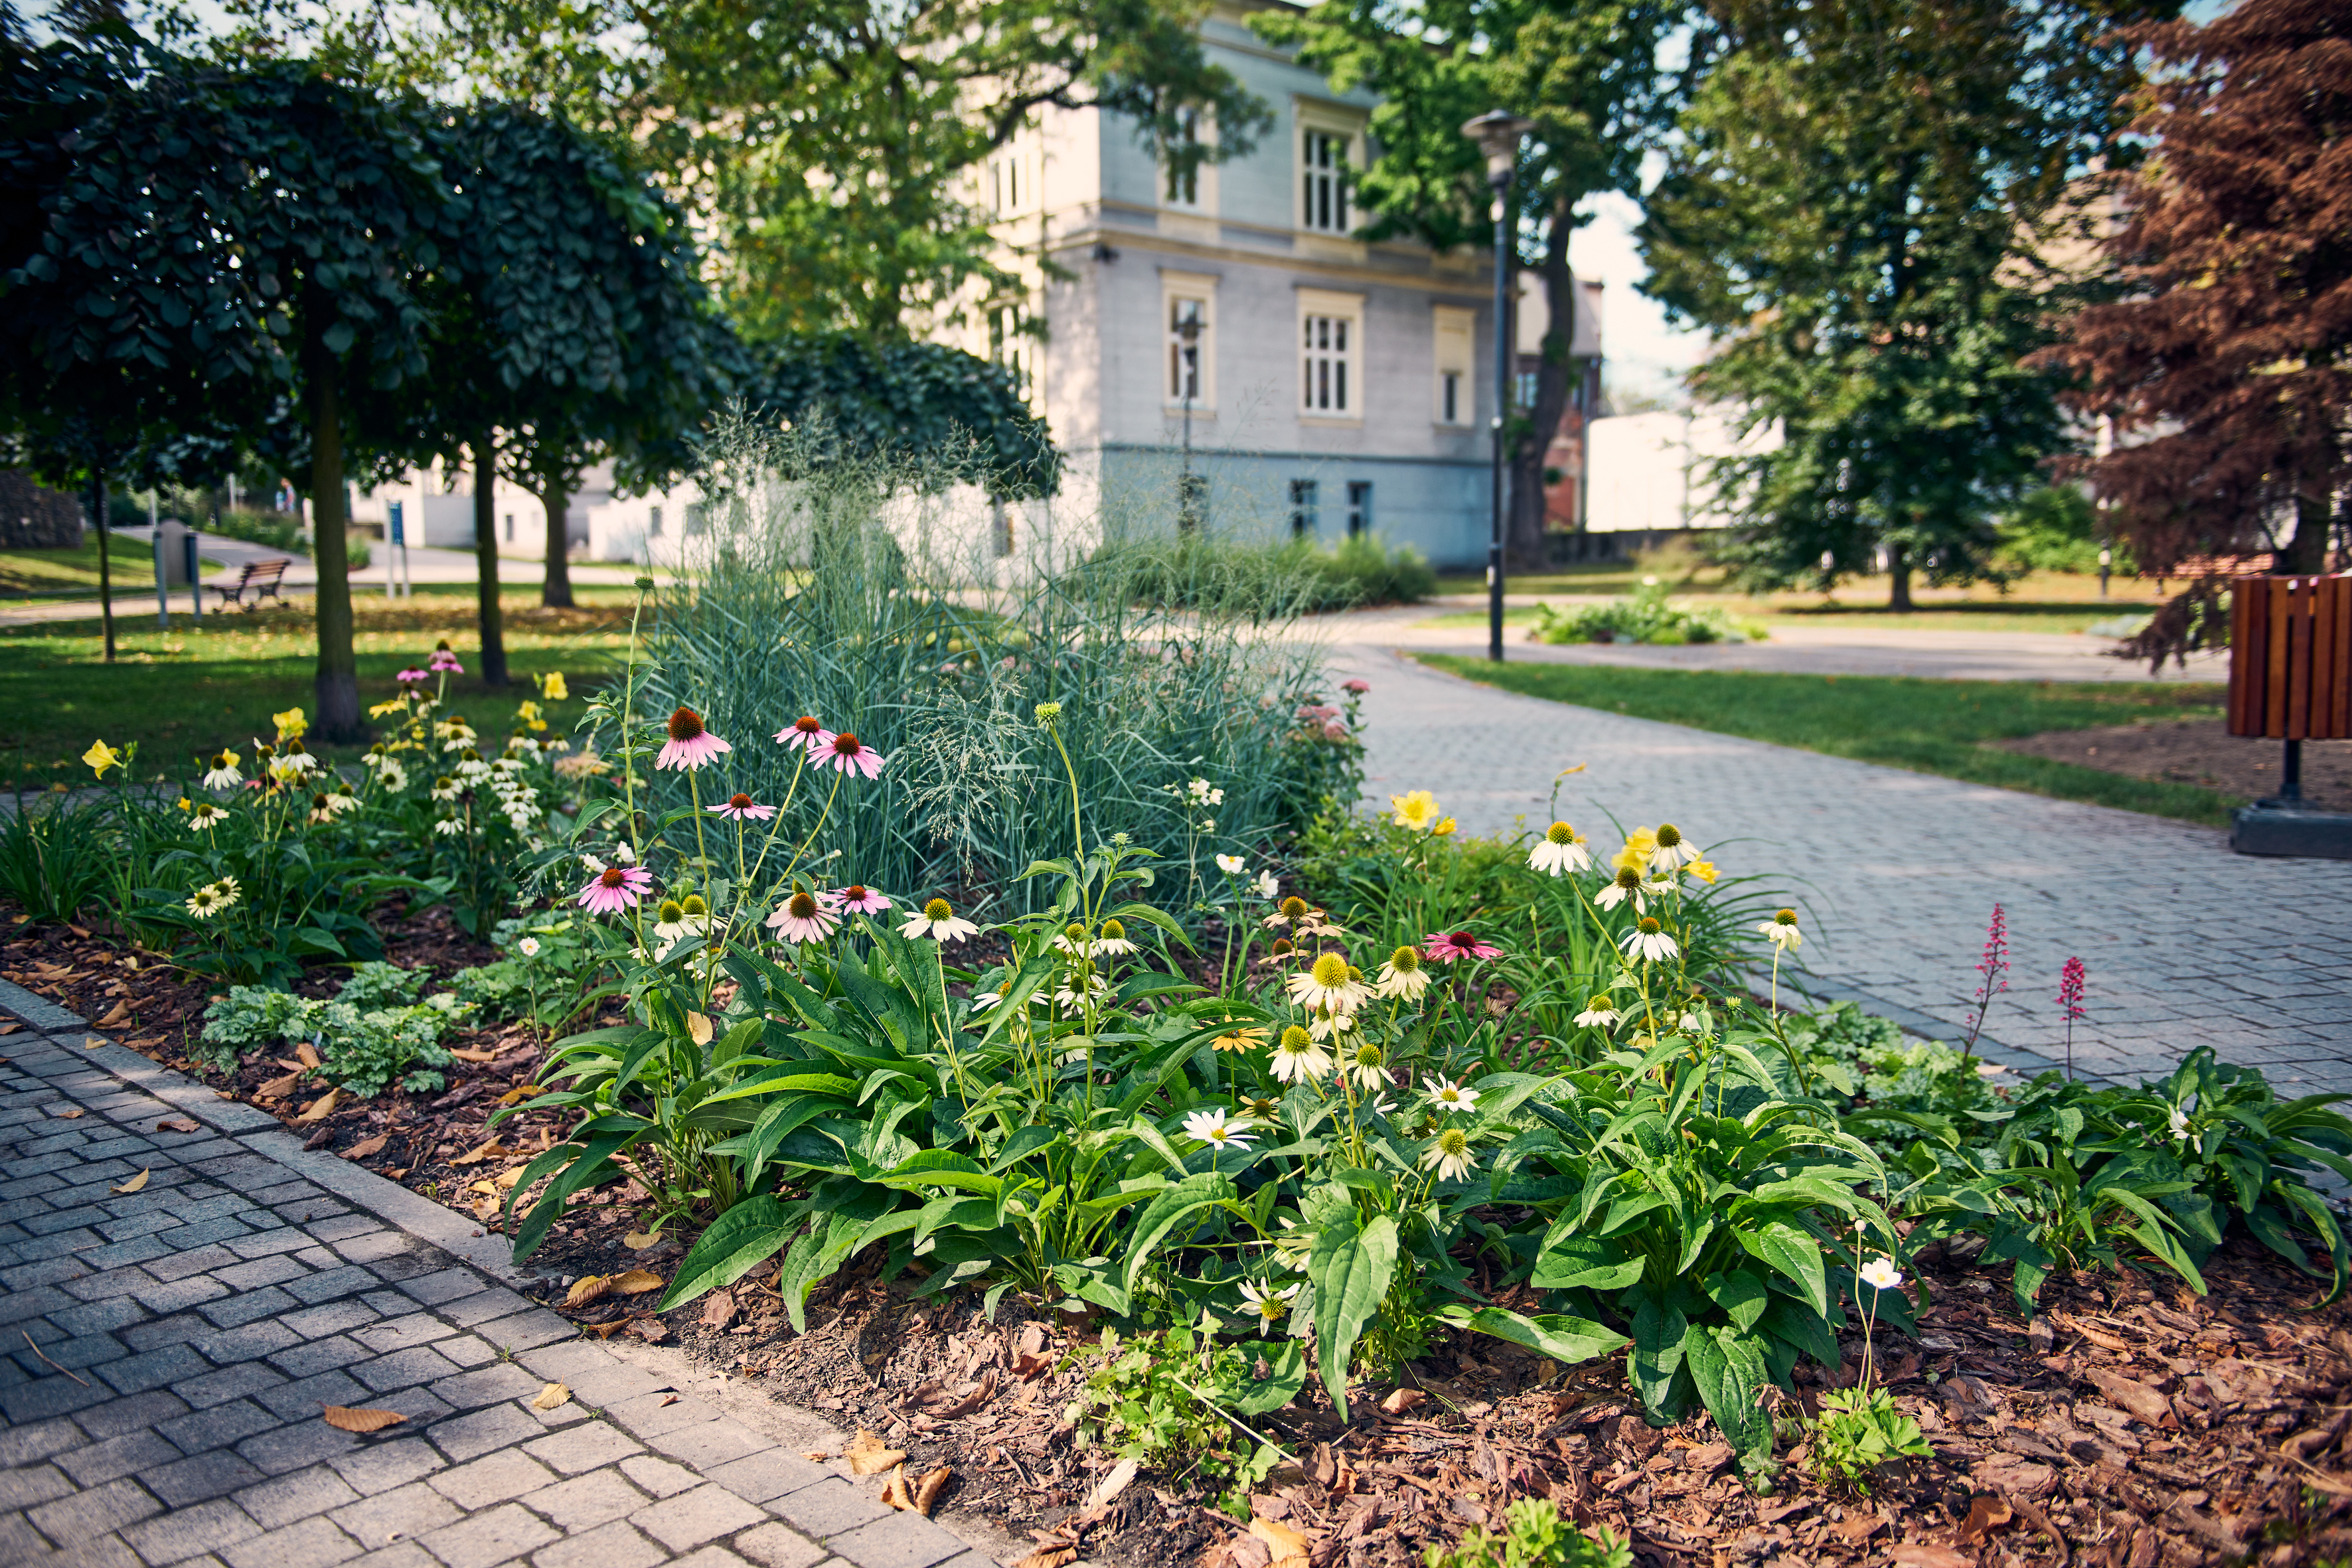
<point>1264,582</point>
<point>363,1049</point>
<point>2056,529</point>
<point>1645,615</point>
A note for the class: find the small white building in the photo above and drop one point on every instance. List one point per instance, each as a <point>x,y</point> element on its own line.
<point>1650,473</point>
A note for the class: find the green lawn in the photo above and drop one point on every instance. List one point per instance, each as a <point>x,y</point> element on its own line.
<point>73,573</point>
<point>188,691</point>
<point>1927,726</point>
<point>1988,616</point>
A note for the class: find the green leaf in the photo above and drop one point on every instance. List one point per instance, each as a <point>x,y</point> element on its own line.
<point>1168,1210</point>
<point>1569,1340</point>
<point>1794,1256</point>
<point>738,1241</point>
<point>1655,1357</point>
<point>1573,1262</point>
<point>1350,1269</point>
<point>1741,1294</point>
<point>1727,1367</point>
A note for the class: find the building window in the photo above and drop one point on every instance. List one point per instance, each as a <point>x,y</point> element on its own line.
<point>1010,344</point>
<point>1524,388</point>
<point>653,522</point>
<point>1000,529</point>
<point>1303,518</point>
<point>1360,507</point>
<point>1184,181</point>
<point>1188,334</point>
<point>1324,386</point>
<point>1451,329</point>
<point>1323,180</point>
<point>697,519</point>
<point>1008,183</point>
<point>510,528</point>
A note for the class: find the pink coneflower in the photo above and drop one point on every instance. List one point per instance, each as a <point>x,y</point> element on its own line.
<point>741,808</point>
<point>851,756</point>
<point>615,889</point>
<point>412,678</point>
<point>1447,946</point>
<point>858,899</point>
<point>689,745</point>
<point>805,733</point>
<point>802,918</point>
<point>445,663</point>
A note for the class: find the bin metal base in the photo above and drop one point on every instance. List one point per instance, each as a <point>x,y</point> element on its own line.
<point>2264,828</point>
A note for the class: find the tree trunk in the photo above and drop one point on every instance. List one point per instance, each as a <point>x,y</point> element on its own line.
<point>1527,521</point>
<point>338,685</point>
<point>1898,573</point>
<point>558,591</point>
<point>2305,555</point>
<point>105,571</point>
<point>486,561</point>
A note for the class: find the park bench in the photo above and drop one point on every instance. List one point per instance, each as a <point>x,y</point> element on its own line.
<point>260,578</point>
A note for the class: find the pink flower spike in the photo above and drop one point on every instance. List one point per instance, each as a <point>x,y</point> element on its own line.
<point>740,808</point>
<point>805,733</point>
<point>689,745</point>
<point>851,756</point>
<point>1447,946</point>
<point>616,889</point>
<point>2070,988</point>
<point>862,900</point>
<point>803,918</point>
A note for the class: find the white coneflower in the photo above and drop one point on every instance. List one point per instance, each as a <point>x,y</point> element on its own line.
<point>1218,1129</point>
<point>1598,1013</point>
<point>938,921</point>
<point>223,775</point>
<point>1113,940</point>
<point>1073,941</point>
<point>1648,939</point>
<point>1073,999</point>
<point>1672,850</point>
<point>1449,1095</point>
<point>449,826</point>
<point>2177,1122</point>
<point>1369,1067</point>
<point>1781,930</point>
<point>391,775</point>
<point>205,816</point>
<point>1297,1058</point>
<point>1628,883</point>
<point>212,899</point>
<point>1559,851</point>
<point>1328,982</point>
<point>1449,1155</point>
<point>1402,975</point>
<point>1266,1304</point>
<point>445,788</point>
<point>981,1001</point>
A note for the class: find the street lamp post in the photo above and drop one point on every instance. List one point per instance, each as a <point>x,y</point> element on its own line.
<point>1188,374</point>
<point>1499,135</point>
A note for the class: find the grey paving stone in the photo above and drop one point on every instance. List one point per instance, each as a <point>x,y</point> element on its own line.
<point>527,1331</point>
<point>764,1477</point>
<point>710,1442</point>
<point>586,1446</point>
<point>32,1443</point>
<point>400,1334</point>
<point>293,1448</point>
<point>828,1508</point>
<point>178,1294</point>
<point>171,1364</point>
<point>314,1542</point>
<point>482,1540</point>
<point>594,1376</point>
<point>229,1383</point>
<point>382,1466</point>
<point>49,1396</point>
<point>486,1385</point>
<point>218,1426</point>
<point>660,1477</point>
<point>586,1502</point>
<point>329,1284</point>
<point>468,1351</point>
<point>403,1368</point>
<point>612,1545</point>
<point>470,1436</point>
<point>250,1342</point>
<point>498,1476</point>
<point>34,1484</point>
<point>248,1306</point>
<point>691,1518</point>
<point>123,1456</point>
<point>487,1307</point>
<point>651,1414</point>
<point>17,1305</point>
<point>256,1273</point>
<point>199,1477</point>
<point>74,1355</point>
<point>442,1285</point>
<point>277,1503</point>
<point>334,1351</point>
<point>84,1515</point>
<point>98,1316</point>
<point>404,1512</point>
<point>178,1329</point>
<point>333,1317</point>
<point>901,1540</point>
<point>774,1546</point>
<point>190,1533</point>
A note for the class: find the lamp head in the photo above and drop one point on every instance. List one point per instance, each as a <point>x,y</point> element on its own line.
<point>1498,135</point>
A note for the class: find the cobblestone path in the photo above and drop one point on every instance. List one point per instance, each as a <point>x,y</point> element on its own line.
<point>174,1348</point>
<point>1896,874</point>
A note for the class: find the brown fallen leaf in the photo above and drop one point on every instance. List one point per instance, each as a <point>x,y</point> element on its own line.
<point>322,1107</point>
<point>720,1310</point>
<point>279,1088</point>
<point>1109,1487</point>
<point>1857,1528</point>
<point>551,1398</point>
<point>927,1490</point>
<point>366,1146</point>
<point>516,1095</point>
<point>117,1017</point>
<point>604,1330</point>
<point>587,1288</point>
<point>175,1124</point>
<point>1048,1557</point>
<point>2128,1394</point>
<point>653,1331</point>
<point>306,1054</point>
<point>1403,1400</point>
<point>133,1184</point>
<point>1029,1357</point>
<point>1919,1555</point>
<point>474,1055</point>
<point>1987,1512</point>
<point>70,1114</point>
<point>894,1490</point>
<point>346,1420</point>
<point>91,1042</point>
<point>817,1455</point>
<point>867,1456</point>
<point>698,1025</point>
<point>491,1151</point>
<point>668,1399</point>
<point>1289,1547</point>
<point>10,1027</point>
<point>637,1281</point>
<point>640,1240</point>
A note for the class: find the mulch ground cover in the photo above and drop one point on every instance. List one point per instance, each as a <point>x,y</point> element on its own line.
<point>2197,751</point>
<point>2131,1424</point>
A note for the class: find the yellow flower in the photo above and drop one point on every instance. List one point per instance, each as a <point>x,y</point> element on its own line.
<point>551,686</point>
<point>1241,1039</point>
<point>528,711</point>
<point>1704,871</point>
<point>185,803</point>
<point>290,723</point>
<point>1444,828</point>
<point>1417,810</point>
<point>393,705</point>
<point>100,757</point>
<point>1639,845</point>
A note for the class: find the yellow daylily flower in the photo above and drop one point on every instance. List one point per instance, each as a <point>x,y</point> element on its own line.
<point>1705,870</point>
<point>290,723</point>
<point>551,686</point>
<point>1416,810</point>
<point>1443,828</point>
<point>100,757</point>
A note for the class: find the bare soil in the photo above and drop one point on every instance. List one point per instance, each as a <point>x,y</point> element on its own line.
<point>2197,751</point>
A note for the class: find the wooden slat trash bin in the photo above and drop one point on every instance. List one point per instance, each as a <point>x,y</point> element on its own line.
<point>2291,681</point>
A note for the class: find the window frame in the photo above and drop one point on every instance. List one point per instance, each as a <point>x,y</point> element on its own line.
<point>1306,508</point>
<point>1176,288</point>
<point>1454,352</point>
<point>1201,131</point>
<point>1316,126</point>
<point>1341,394</point>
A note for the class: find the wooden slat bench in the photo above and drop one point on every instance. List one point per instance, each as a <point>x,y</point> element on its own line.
<point>259,578</point>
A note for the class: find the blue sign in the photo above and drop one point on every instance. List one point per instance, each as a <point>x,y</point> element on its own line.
<point>399,536</point>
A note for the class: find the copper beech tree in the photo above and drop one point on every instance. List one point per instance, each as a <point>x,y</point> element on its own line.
<point>2226,362</point>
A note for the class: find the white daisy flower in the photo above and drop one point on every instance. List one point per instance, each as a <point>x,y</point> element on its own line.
<point>1369,1067</point>
<point>2177,1122</point>
<point>1781,930</point>
<point>1231,865</point>
<point>1598,1013</point>
<point>1649,939</point>
<point>1449,1095</point>
<point>1449,1155</point>
<point>1880,1274</point>
<point>1559,851</point>
<point>1218,1129</point>
<point>1297,1058</point>
<point>1267,1305</point>
<point>1266,886</point>
<point>527,947</point>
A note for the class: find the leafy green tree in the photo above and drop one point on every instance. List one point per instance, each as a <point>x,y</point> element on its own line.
<point>570,324</point>
<point>1586,72</point>
<point>833,148</point>
<point>257,240</point>
<point>1858,209</point>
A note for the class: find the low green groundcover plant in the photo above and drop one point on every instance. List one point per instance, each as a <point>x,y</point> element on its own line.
<point>372,1035</point>
<point>1533,1536</point>
<point>1645,615</point>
